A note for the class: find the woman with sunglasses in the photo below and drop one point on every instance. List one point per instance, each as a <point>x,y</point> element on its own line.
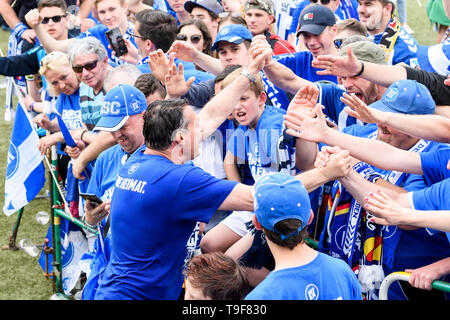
<point>196,32</point>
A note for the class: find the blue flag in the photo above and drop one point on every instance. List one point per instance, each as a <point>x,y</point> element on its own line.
<point>25,172</point>
<point>65,132</point>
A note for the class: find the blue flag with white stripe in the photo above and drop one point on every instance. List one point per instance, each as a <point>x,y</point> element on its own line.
<point>25,172</point>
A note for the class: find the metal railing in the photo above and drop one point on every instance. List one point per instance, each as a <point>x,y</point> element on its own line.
<point>404,276</point>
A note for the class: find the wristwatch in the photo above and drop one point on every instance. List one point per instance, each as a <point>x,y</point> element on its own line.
<point>245,72</point>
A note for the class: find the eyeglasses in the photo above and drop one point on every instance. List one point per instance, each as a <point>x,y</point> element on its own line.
<point>136,36</point>
<point>88,66</point>
<point>224,15</point>
<point>324,2</point>
<point>55,19</point>
<point>195,38</point>
<point>338,42</point>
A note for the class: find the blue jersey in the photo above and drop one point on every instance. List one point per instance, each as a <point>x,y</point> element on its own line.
<point>434,165</point>
<point>324,278</point>
<point>98,31</point>
<point>405,49</point>
<point>258,146</point>
<point>155,207</point>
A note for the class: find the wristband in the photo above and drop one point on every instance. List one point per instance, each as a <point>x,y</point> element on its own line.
<point>19,29</point>
<point>81,136</point>
<point>32,106</point>
<point>360,71</point>
<point>29,77</point>
<point>245,73</point>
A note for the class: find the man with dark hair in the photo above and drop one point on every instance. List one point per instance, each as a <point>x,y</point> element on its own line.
<point>385,30</point>
<point>151,87</point>
<point>208,11</point>
<point>207,274</point>
<point>300,273</point>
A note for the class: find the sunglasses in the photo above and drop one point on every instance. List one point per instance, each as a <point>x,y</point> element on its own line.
<point>88,66</point>
<point>55,19</point>
<point>223,15</point>
<point>195,38</point>
<point>324,2</point>
<point>338,43</point>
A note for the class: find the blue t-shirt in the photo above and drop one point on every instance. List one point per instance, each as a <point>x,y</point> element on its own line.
<point>434,165</point>
<point>98,31</point>
<point>258,146</point>
<point>329,96</point>
<point>300,64</point>
<point>324,278</point>
<point>154,209</point>
<point>435,197</point>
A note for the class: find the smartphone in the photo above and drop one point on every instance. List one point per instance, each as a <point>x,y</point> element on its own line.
<point>95,201</point>
<point>116,41</point>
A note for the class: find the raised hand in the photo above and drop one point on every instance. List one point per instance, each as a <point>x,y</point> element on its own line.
<point>347,66</point>
<point>176,86</point>
<point>338,162</point>
<point>159,64</point>
<point>33,18</point>
<point>304,99</point>
<point>305,126</point>
<point>183,50</point>
<point>358,109</point>
<point>385,210</point>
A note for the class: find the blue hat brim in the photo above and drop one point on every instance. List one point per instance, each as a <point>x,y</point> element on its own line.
<point>111,123</point>
<point>238,40</point>
<point>380,105</point>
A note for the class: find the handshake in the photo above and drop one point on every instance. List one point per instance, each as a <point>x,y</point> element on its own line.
<point>334,162</point>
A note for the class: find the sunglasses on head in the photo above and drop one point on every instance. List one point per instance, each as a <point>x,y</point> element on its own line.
<point>324,2</point>
<point>88,66</point>
<point>195,38</point>
<point>223,15</point>
<point>338,43</point>
<point>55,19</point>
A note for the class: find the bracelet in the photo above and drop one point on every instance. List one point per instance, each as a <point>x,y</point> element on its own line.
<point>29,77</point>
<point>32,106</point>
<point>81,136</point>
<point>247,74</point>
<point>360,71</point>
<point>88,224</point>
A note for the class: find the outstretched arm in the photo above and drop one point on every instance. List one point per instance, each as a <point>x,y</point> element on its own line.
<point>367,150</point>
<point>281,76</point>
<point>349,66</point>
<point>430,127</point>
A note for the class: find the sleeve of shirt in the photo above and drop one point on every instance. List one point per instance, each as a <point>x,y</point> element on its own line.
<point>206,191</point>
<point>431,198</point>
<point>200,93</point>
<point>20,65</point>
<point>433,81</point>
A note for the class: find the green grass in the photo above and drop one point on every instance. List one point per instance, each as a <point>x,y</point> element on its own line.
<point>21,276</point>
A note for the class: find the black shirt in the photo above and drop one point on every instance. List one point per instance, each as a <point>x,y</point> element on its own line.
<point>434,82</point>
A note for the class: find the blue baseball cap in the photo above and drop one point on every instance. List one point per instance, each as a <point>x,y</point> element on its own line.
<point>406,96</point>
<point>314,19</point>
<point>119,104</point>
<point>234,33</point>
<point>277,197</point>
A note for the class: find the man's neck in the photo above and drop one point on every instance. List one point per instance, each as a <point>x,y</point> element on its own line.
<point>285,258</point>
<point>168,154</point>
